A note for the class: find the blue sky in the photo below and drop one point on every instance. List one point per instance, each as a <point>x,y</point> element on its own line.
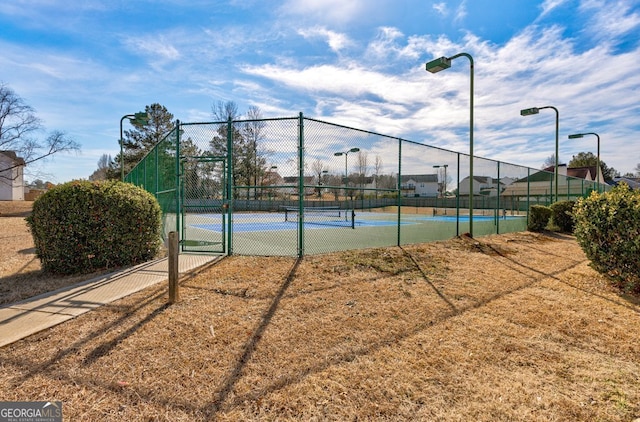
<point>84,64</point>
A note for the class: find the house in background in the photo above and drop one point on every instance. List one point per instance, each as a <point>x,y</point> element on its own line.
<point>412,185</point>
<point>11,176</point>
<point>484,185</point>
<point>541,183</point>
<point>633,182</point>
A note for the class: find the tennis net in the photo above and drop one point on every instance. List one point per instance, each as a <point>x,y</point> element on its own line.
<point>329,216</point>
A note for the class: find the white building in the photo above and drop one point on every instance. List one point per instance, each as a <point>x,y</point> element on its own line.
<point>419,185</point>
<point>11,176</point>
<point>484,185</point>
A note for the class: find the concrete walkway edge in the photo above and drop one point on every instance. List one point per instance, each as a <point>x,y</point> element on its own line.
<point>22,319</point>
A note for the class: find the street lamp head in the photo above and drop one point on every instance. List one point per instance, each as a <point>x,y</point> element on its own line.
<point>141,119</point>
<point>354,149</point>
<point>338,154</point>
<point>435,66</point>
<point>529,111</point>
<point>576,136</point>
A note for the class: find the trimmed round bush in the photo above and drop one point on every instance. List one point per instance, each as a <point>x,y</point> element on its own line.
<point>539,216</point>
<point>607,227</point>
<point>82,226</point>
<point>562,215</point>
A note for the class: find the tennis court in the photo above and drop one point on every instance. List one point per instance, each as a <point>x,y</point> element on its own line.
<point>278,232</point>
<point>237,187</point>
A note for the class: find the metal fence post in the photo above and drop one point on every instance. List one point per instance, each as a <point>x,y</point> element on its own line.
<point>399,186</point>
<point>458,200</point>
<point>229,193</point>
<point>177,167</point>
<point>300,186</point>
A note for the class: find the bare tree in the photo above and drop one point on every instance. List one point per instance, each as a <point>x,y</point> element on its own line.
<point>104,164</point>
<point>318,169</point>
<point>362,165</point>
<point>224,112</point>
<point>18,127</point>
<point>377,168</point>
<point>255,161</point>
<point>550,161</point>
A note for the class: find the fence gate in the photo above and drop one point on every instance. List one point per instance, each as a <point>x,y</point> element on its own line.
<point>204,208</point>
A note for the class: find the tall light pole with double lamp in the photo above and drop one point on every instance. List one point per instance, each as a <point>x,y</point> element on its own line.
<point>536,110</point>
<point>435,66</point>
<point>346,154</point>
<point>580,135</point>
<point>140,119</point>
<point>444,184</point>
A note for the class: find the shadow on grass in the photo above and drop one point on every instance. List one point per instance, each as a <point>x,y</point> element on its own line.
<point>251,344</point>
<point>391,339</point>
<point>49,365</point>
<point>633,301</point>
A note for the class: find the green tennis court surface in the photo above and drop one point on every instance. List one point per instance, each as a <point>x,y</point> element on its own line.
<point>268,233</point>
<point>283,221</point>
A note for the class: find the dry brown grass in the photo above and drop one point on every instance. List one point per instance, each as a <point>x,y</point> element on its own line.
<point>502,328</point>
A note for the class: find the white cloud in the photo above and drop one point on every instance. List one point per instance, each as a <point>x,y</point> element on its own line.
<point>441,8</point>
<point>335,40</point>
<point>385,44</point>
<point>537,67</point>
<point>327,11</point>
<point>611,20</point>
<point>461,12</point>
<point>158,48</point>
<point>549,5</point>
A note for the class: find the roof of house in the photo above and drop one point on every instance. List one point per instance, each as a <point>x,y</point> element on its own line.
<point>582,172</point>
<point>633,182</point>
<point>14,157</point>
<point>547,174</point>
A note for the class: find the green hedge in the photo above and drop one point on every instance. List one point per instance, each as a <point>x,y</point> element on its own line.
<point>539,216</point>
<point>82,226</point>
<point>608,230</point>
<point>562,215</point>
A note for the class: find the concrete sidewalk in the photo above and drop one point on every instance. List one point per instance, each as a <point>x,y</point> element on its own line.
<point>21,319</point>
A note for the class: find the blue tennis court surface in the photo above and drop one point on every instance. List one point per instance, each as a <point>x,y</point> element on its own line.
<point>292,225</point>
<point>275,221</point>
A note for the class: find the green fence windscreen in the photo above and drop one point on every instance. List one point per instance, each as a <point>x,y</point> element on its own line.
<point>295,186</point>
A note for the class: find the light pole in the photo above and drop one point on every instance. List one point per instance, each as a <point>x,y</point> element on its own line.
<point>580,135</point>
<point>435,66</point>
<point>346,154</point>
<point>137,118</point>
<point>444,184</point>
<point>536,110</point>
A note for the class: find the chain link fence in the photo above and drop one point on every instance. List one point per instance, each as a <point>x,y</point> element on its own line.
<point>296,186</point>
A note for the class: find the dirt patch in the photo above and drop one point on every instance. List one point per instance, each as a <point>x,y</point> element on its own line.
<point>500,328</point>
<point>15,208</point>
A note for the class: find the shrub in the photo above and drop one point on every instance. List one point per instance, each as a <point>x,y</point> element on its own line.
<point>82,226</point>
<point>608,230</point>
<point>562,215</point>
<point>539,216</point>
